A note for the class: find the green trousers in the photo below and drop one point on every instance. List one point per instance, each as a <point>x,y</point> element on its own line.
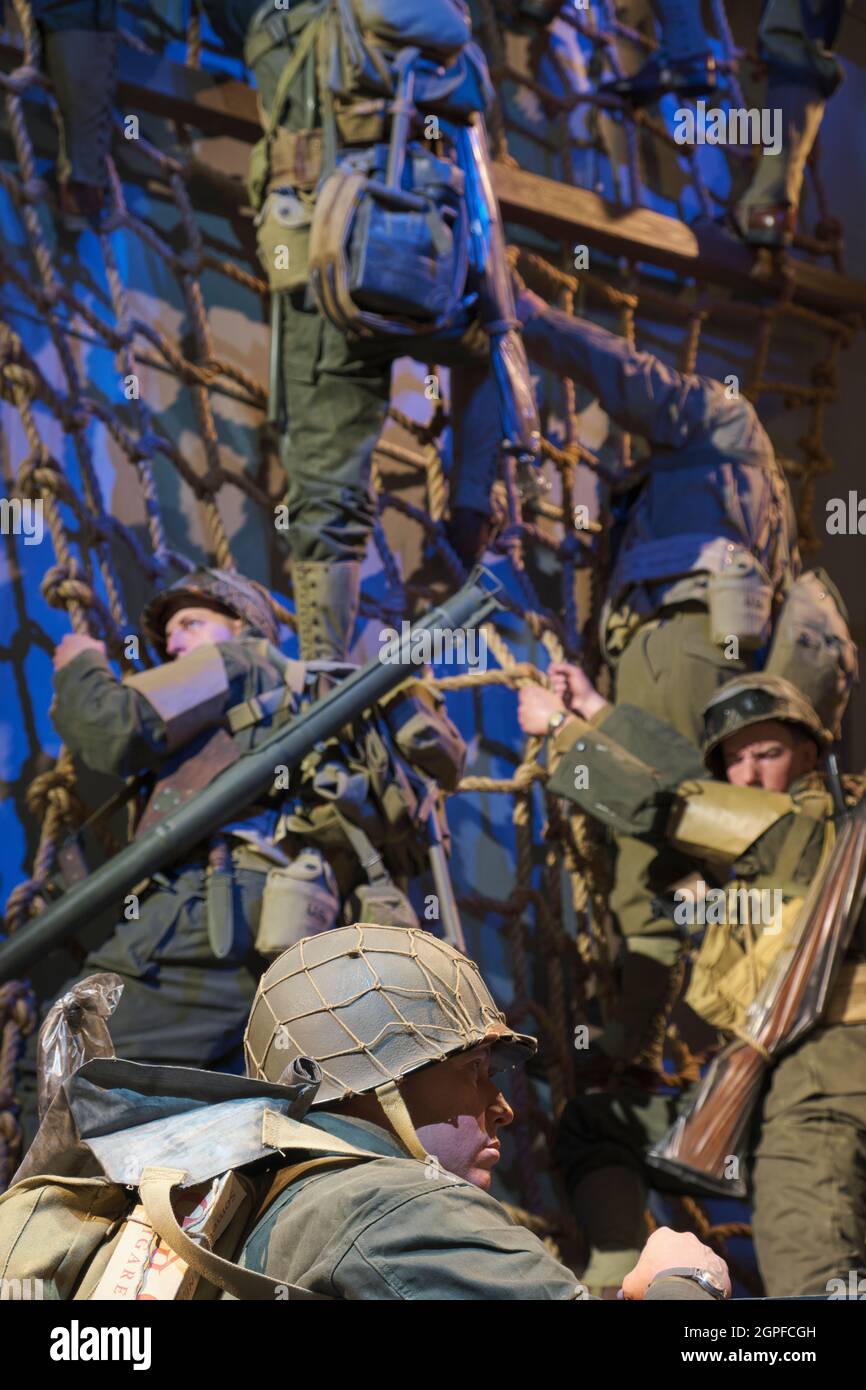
<point>336,394</point>
<point>670,668</point>
<point>809,1168</point>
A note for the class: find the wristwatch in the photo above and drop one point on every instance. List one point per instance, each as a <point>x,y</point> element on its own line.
<point>707,1281</point>
<point>556,721</point>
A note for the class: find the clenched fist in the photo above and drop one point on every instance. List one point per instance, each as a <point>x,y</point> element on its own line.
<point>535,708</point>
<point>72,645</point>
<point>667,1249</point>
<point>575,688</point>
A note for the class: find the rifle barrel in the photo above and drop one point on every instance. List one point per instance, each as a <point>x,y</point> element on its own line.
<point>451,924</point>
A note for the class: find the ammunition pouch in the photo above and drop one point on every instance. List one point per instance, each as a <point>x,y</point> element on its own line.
<point>378,900</point>
<point>740,603</point>
<point>384,903</point>
<point>283,238</point>
<point>694,567</point>
<point>299,900</point>
<point>296,159</point>
<point>424,734</point>
<point>718,821</point>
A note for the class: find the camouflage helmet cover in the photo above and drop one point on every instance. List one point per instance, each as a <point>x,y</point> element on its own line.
<point>372,1003</point>
<point>222,590</point>
<point>751,699</point>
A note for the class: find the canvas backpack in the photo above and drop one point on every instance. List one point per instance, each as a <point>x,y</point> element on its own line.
<point>812,646</point>
<point>145,1181</point>
<point>353,52</point>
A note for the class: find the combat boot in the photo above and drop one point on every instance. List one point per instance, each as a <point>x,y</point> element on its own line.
<point>692,77</point>
<point>82,64</point>
<point>683,62</point>
<point>326,605</point>
<point>766,215</point>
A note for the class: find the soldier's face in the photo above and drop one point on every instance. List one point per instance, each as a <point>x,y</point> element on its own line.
<point>458,1111</point>
<point>189,628</point>
<point>770,755</point>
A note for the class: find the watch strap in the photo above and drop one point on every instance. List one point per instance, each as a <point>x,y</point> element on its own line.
<point>698,1276</point>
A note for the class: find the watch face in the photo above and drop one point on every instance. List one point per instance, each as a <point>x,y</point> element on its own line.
<point>713,1282</point>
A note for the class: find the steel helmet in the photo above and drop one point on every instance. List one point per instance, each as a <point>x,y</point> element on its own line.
<point>221,590</point>
<point>371,1004</point>
<point>752,698</point>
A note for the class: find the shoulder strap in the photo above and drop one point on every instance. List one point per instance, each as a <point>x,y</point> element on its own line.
<point>291,71</point>
<point>330,141</point>
<point>155,1187</point>
<point>284,1177</point>
<point>794,845</point>
<point>368,856</point>
<point>274,701</point>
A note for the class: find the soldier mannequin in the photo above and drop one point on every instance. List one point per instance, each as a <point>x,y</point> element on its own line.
<point>795,38</point>
<point>404,1084</point>
<point>188,959</point>
<point>179,1003</point>
<point>809,1154</point>
<point>336,389</point>
<point>709,545</point>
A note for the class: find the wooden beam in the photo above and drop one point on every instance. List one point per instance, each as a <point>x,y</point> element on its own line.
<point>214,103</point>
<point>220,105</point>
<point>579,216</point>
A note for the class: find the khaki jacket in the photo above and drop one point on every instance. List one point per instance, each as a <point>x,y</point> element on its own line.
<point>396,1228</point>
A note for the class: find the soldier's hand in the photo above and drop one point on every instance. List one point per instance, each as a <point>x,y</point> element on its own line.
<point>667,1249</point>
<point>535,708</point>
<point>527,304</point>
<point>72,645</point>
<point>575,688</point>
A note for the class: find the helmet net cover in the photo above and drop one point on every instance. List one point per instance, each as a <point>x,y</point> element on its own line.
<point>372,1003</point>
<point>222,590</point>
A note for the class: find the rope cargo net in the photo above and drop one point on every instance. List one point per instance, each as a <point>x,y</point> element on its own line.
<point>94,553</point>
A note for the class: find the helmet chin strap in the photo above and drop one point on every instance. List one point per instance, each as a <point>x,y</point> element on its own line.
<point>397,1113</point>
